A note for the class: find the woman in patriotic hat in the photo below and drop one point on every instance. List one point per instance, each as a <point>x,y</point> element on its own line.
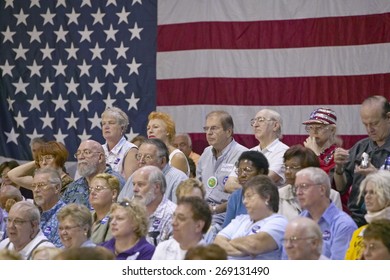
<point>323,140</point>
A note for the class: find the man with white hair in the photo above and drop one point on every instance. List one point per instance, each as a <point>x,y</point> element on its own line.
<point>303,240</point>
<point>46,187</point>
<point>24,234</point>
<point>267,128</point>
<point>149,186</point>
<point>312,188</point>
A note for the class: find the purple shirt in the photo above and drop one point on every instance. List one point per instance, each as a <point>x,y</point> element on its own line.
<point>142,250</point>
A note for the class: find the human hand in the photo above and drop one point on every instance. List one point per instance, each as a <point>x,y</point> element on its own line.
<point>365,171</point>
<point>341,156</point>
<point>310,143</point>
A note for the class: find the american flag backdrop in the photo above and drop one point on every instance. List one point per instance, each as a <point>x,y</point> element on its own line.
<point>291,56</point>
<point>63,61</point>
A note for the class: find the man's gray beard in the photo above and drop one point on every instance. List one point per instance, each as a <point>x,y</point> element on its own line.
<point>86,170</point>
<point>149,197</point>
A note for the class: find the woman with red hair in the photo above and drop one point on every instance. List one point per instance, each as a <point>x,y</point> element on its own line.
<point>162,126</point>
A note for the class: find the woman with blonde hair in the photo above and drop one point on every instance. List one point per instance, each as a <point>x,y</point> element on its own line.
<point>103,192</point>
<point>190,187</point>
<point>75,223</point>
<point>129,227</point>
<point>162,126</point>
<point>375,190</point>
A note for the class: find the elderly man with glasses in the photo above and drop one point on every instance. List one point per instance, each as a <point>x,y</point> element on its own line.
<point>91,161</point>
<point>154,152</point>
<point>303,240</point>
<point>23,230</point>
<point>47,192</point>
<point>312,189</point>
<point>375,116</point>
<point>217,161</point>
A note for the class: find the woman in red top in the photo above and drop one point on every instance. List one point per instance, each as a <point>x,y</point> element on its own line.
<point>323,140</point>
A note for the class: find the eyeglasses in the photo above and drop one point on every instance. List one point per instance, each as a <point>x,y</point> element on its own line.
<point>260,120</point>
<point>246,170</point>
<point>315,128</point>
<point>294,239</point>
<point>98,188</point>
<point>212,129</point>
<point>40,186</point>
<point>67,228</point>
<point>17,222</point>
<point>86,153</point>
<point>46,158</point>
<point>303,187</point>
<point>291,168</point>
<point>147,158</point>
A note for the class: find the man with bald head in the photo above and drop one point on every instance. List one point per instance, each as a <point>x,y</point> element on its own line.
<point>348,172</point>
<point>91,161</point>
<point>303,240</point>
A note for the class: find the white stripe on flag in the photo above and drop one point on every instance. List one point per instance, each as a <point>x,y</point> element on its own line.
<point>183,11</point>
<point>348,118</point>
<point>300,62</point>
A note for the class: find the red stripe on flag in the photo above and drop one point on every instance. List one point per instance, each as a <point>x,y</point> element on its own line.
<point>199,142</point>
<point>330,90</point>
<point>313,32</point>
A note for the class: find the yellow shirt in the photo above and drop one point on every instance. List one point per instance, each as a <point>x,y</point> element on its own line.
<point>355,250</point>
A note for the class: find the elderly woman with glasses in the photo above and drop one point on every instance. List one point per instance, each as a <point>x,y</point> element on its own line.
<point>75,222</point>
<point>24,234</point>
<point>103,192</point>
<point>120,153</point>
<point>129,227</point>
<point>51,154</point>
<point>258,234</point>
<point>322,139</point>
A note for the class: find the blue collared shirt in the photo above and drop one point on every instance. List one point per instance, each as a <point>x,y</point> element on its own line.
<point>337,228</point>
<point>49,224</point>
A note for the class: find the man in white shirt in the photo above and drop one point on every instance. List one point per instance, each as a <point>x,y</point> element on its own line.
<point>24,234</point>
<point>192,219</point>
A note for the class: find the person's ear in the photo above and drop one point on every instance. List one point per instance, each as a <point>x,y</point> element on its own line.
<point>199,226</point>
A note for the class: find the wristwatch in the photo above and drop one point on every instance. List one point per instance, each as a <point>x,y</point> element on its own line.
<point>214,209</point>
<point>339,172</point>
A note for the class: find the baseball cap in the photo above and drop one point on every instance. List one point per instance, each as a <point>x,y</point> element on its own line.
<point>322,116</point>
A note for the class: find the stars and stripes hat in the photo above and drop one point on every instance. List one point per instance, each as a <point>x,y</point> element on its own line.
<point>322,116</point>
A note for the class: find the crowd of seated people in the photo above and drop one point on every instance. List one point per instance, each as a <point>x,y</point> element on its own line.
<point>158,199</point>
